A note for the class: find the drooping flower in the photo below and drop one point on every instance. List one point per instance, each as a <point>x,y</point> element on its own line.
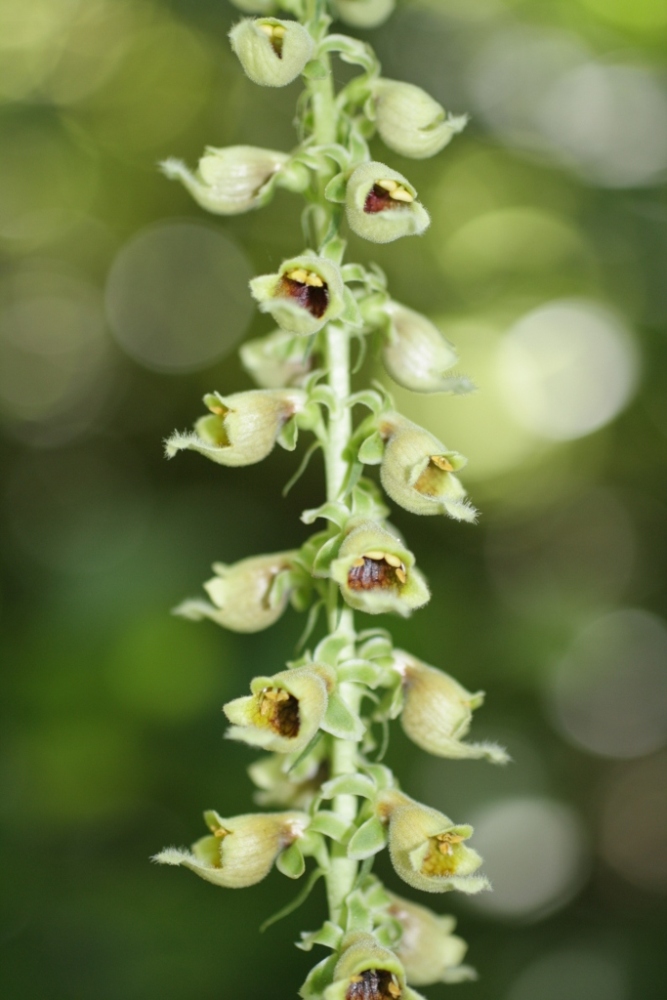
<point>232,180</point>
<point>367,971</point>
<point>306,293</point>
<point>272,52</point>
<point>416,354</point>
<point>381,204</point>
<point>428,949</point>
<point>410,121</point>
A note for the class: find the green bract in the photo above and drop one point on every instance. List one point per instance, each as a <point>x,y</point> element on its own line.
<point>376,572</point>
<point>305,294</point>
<point>381,204</point>
<point>410,122</point>
<point>272,52</point>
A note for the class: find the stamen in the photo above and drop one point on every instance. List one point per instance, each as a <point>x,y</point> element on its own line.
<point>387,194</point>
<point>442,463</point>
<point>308,288</point>
<point>374,984</point>
<point>280,709</point>
<point>276,35</point>
<point>434,477</point>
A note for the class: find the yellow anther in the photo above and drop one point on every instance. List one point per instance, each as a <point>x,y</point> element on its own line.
<point>268,29</point>
<point>401,575</point>
<point>314,280</point>
<point>375,556</point>
<point>392,560</point>
<point>298,274</point>
<point>401,194</point>
<point>278,31</point>
<point>358,562</point>
<point>387,185</point>
<point>442,463</point>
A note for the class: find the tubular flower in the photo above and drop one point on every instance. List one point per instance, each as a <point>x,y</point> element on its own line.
<point>241,429</point>
<point>277,360</point>
<point>381,204</point>
<point>284,712</point>
<point>376,572</point>
<point>427,850</point>
<point>429,950</point>
<point>239,851</point>
<point>232,180</point>
<point>244,596</point>
<point>417,471</point>
<point>367,971</point>
<point>272,52</point>
<point>306,293</point>
<point>364,13</point>
<point>416,354</point>
<point>437,712</point>
<point>410,121</point>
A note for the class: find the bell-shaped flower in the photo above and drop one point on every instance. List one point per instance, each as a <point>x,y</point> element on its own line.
<point>272,52</point>
<point>284,712</point>
<point>239,851</point>
<point>232,180</point>
<point>410,121</point>
<point>437,712</point>
<point>381,204</point>
<point>280,359</point>
<point>241,429</point>
<point>367,971</point>
<point>306,293</point>
<point>363,13</point>
<point>247,596</point>
<point>429,950</point>
<point>417,471</point>
<point>416,354</point>
<point>427,849</point>
<point>376,573</point>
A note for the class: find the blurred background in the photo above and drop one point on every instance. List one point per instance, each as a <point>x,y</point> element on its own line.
<point>121,304</point>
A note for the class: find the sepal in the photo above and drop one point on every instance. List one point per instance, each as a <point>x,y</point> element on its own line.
<point>272,52</point>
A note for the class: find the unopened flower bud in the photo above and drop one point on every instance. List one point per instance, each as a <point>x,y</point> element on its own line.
<point>240,851</point>
<point>429,950</point>
<point>417,471</point>
<point>437,712</point>
<point>232,180</point>
<point>382,205</point>
<point>285,781</point>
<point>306,293</point>
<point>272,52</point>
<point>245,596</point>
<point>367,971</point>
<point>376,573</point>
<point>414,352</point>
<point>410,121</point>
<point>364,13</point>
<point>427,849</point>
<point>277,360</point>
<point>241,429</point>
<point>284,711</point>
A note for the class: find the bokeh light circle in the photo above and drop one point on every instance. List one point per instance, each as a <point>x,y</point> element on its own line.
<point>576,973</point>
<point>177,296</point>
<point>608,695</point>
<point>567,369</point>
<point>534,852</point>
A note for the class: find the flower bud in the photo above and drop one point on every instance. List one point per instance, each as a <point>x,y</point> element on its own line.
<point>427,850</point>
<point>364,13</point>
<point>242,428</point>
<point>437,712</point>
<point>306,293</point>
<point>272,52</point>
<point>244,596</point>
<point>284,711</point>
<point>376,572</point>
<point>429,951</point>
<point>381,204</point>
<point>277,360</point>
<point>415,353</point>
<point>285,781</point>
<point>410,121</point>
<point>240,851</point>
<point>417,471</point>
<point>367,971</point>
<point>232,180</point>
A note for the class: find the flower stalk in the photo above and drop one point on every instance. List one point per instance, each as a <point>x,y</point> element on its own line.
<point>319,717</point>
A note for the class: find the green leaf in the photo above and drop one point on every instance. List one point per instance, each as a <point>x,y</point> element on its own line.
<point>330,648</point>
<point>315,70</point>
<point>371,451</point>
<point>349,784</point>
<point>328,935</point>
<point>370,838</point>
<point>330,825</point>
<point>360,672</point>
<point>351,313</point>
<point>326,555</point>
<point>290,862</point>
<point>334,511</point>
<point>289,435</point>
<point>358,916</point>
<point>319,979</point>
<point>302,467</point>
<point>354,272</point>
<point>340,721</point>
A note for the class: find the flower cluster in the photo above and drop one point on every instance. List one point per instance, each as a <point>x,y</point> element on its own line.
<point>317,720</point>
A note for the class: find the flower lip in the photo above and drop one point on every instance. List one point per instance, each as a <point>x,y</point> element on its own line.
<point>431,479</point>
<point>376,571</point>
<point>386,195</point>
<point>439,859</point>
<point>374,984</point>
<point>280,709</point>
<point>308,288</point>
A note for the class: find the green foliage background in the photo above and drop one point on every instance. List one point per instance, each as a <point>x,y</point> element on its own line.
<point>111,735</point>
